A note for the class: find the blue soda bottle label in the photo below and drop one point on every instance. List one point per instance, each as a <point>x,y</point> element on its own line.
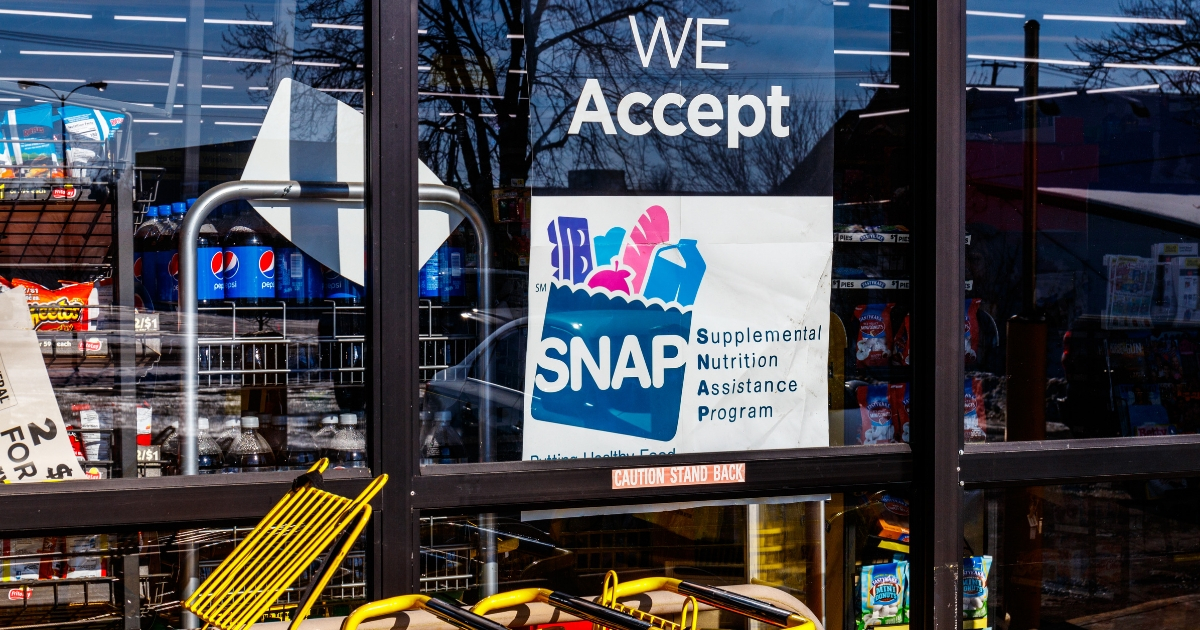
<point>249,272</point>
<point>339,288</point>
<point>429,276</point>
<point>210,273</point>
<point>166,268</point>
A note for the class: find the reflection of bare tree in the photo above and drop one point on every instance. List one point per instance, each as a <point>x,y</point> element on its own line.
<point>1152,44</point>
<point>327,58</point>
<point>512,77</point>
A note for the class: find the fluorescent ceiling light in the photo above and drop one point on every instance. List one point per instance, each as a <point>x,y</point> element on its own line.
<point>516,36</point>
<point>1118,19</point>
<point>78,16</point>
<point>217,87</point>
<point>10,100</point>
<point>518,72</point>
<point>157,122</point>
<point>148,18</point>
<point>887,113</point>
<point>255,89</point>
<point>235,59</point>
<point>424,68</point>
<point>72,53</point>
<point>238,22</point>
<point>238,124</point>
<point>339,89</point>
<point>1128,88</point>
<point>233,107</point>
<point>422,31</point>
<point>345,27</point>
<point>149,83</point>
<point>886,53</point>
<point>319,64</point>
<point>1019,16</point>
<point>879,85</point>
<point>1039,97</point>
<point>893,7</point>
<point>487,115</point>
<point>453,95</point>
<point>43,80</point>
<point>1150,66</point>
<point>153,133</point>
<point>841,4</point>
<point>988,88</point>
<point>1053,62</point>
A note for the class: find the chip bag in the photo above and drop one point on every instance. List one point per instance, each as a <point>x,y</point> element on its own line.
<point>971,331</point>
<point>71,307</point>
<point>900,356</point>
<point>883,598</point>
<point>975,591</point>
<point>874,334</point>
<point>874,407</point>
<point>974,414</point>
<point>35,141</point>
<point>898,399</point>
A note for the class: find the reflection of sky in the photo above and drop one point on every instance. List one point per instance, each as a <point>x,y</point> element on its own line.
<point>1005,36</point>
<point>140,80</point>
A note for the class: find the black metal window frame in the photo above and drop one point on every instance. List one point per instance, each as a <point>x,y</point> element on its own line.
<point>937,469</point>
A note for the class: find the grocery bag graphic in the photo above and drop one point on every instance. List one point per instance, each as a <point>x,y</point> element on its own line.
<point>593,315</point>
<point>662,324</point>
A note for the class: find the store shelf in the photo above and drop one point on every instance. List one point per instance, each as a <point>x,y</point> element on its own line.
<point>871,283</point>
<point>869,238</point>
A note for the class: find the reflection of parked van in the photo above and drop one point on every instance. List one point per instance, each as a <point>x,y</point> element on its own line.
<point>459,389</point>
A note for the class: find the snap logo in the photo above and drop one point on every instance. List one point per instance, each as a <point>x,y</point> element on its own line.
<point>613,347</point>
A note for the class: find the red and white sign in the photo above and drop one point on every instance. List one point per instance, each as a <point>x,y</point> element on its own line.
<point>666,476</point>
<point>18,594</point>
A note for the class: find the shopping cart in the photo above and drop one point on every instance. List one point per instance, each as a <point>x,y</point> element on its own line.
<point>449,613</point>
<point>308,524</point>
<point>715,597</point>
<point>600,616</point>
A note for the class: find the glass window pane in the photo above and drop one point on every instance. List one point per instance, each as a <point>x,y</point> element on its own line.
<point>809,551</point>
<point>631,249</point>
<point>1105,555</point>
<point>1082,233</point>
<point>80,580</point>
<point>116,119</point>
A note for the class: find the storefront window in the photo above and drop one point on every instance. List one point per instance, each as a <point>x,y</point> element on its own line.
<point>661,230</point>
<point>808,551</point>
<point>79,580</point>
<point>117,120</point>
<point>1107,555</point>
<point>1082,228</point>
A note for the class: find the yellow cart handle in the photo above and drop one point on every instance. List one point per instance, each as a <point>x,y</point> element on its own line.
<point>718,598</point>
<point>576,606</point>
<point>449,613</point>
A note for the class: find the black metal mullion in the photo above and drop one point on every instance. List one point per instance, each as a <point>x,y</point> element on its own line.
<point>1049,462</point>
<point>587,481</point>
<point>938,135</point>
<point>391,127</point>
<point>162,502</point>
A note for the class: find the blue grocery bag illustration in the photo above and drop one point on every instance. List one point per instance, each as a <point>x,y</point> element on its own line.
<point>614,343</point>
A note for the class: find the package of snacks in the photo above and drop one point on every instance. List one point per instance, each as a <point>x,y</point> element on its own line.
<point>898,399</point>
<point>974,414</point>
<point>975,591</point>
<point>971,331</point>
<point>874,408</point>
<point>72,307</point>
<point>900,355</point>
<point>874,347</point>
<point>883,587</point>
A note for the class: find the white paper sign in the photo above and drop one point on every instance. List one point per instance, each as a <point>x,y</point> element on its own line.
<point>34,445</point>
<point>668,324</point>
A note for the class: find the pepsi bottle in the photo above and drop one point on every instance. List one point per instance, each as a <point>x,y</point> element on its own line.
<point>342,291</point>
<point>299,279</point>
<point>144,253</point>
<point>167,265</point>
<point>210,267</point>
<point>249,267</point>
